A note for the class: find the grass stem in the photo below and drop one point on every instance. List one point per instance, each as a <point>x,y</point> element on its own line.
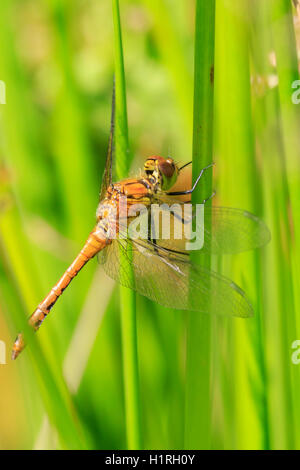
<point>198,401</point>
<point>127,300</point>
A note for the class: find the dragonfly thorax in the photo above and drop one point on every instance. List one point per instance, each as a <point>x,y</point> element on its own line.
<point>118,200</point>
<point>160,175</point>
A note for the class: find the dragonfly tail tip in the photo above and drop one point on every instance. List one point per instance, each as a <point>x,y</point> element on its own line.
<point>18,347</point>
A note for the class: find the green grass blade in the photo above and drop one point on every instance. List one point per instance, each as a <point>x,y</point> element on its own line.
<point>54,393</point>
<point>21,148</point>
<point>277,123</point>
<point>198,398</point>
<point>288,72</point>
<point>127,300</point>
<point>69,134</point>
<point>174,59</point>
<point>245,423</point>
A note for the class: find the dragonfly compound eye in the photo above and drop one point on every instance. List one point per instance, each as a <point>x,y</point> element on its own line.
<point>169,172</point>
<point>167,168</point>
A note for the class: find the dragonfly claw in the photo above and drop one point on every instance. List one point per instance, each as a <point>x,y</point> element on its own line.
<point>19,345</point>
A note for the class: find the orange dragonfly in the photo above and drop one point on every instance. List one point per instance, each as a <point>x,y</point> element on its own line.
<point>157,267</point>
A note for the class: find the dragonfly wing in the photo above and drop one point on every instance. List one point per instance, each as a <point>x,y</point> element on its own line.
<point>171,280</point>
<point>225,229</point>
<point>230,230</point>
<point>107,176</point>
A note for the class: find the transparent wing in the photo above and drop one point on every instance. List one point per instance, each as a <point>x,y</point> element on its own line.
<point>171,280</point>
<point>107,176</point>
<point>225,229</point>
<point>231,230</point>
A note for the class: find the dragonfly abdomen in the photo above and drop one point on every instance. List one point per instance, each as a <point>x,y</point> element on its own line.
<point>95,243</point>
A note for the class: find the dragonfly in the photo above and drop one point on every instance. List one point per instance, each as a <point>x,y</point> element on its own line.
<point>157,267</point>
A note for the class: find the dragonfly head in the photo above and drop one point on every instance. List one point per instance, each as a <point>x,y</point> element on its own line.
<point>163,170</point>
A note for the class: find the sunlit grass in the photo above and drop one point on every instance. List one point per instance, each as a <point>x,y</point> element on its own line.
<point>198,375</point>
<point>127,296</point>
<point>237,388</point>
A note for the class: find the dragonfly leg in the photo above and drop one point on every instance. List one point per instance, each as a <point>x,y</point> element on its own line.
<point>151,232</point>
<point>189,191</point>
<point>182,219</point>
<point>208,198</point>
<point>203,202</point>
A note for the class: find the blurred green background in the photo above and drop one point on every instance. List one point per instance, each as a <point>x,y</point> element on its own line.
<point>56,59</point>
